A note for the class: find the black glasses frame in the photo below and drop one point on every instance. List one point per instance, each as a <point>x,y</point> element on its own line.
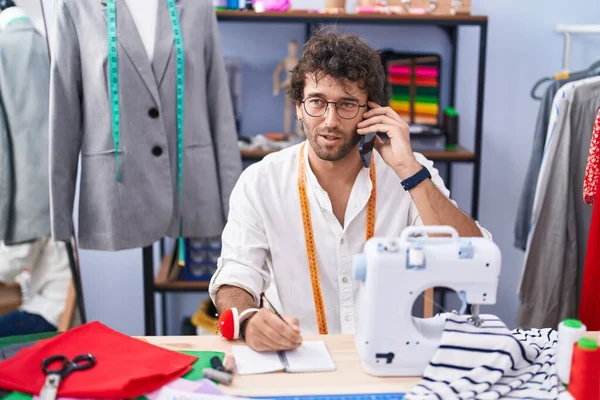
<point>337,110</point>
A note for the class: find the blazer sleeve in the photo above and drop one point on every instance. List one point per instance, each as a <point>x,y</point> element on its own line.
<point>65,122</point>
<point>220,113</point>
<point>5,174</point>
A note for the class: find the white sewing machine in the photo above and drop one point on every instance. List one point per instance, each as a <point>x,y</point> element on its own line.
<point>394,271</point>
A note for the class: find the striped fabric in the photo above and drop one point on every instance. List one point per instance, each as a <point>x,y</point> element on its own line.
<point>490,362</point>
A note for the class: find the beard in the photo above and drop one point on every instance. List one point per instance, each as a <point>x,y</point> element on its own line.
<point>331,150</point>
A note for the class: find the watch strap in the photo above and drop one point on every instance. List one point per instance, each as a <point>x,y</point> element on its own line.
<point>243,325</point>
<point>417,178</point>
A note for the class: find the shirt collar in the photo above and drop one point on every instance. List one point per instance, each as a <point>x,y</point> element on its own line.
<point>361,191</point>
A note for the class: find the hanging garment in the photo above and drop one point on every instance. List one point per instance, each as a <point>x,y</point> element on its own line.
<point>522,223</point>
<point>144,205</point>
<point>125,367</point>
<point>550,285</point>
<point>24,82</point>
<point>560,108</point>
<point>589,311</point>
<point>490,362</point>
<point>48,263</point>
<point>592,169</point>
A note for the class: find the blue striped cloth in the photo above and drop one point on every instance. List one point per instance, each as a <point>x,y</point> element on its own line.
<point>490,362</point>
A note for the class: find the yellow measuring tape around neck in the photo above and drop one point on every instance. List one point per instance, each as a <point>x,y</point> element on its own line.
<point>309,237</point>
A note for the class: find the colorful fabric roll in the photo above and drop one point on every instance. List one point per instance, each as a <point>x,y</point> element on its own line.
<point>420,108</point>
<point>406,80</point>
<point>415,91</point>
<point>419,91</point>
<point>420,71</point>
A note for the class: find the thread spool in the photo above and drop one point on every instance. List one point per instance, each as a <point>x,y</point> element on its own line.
<point>585,370</point>
<point>224,378</point>
<point>569,332</point>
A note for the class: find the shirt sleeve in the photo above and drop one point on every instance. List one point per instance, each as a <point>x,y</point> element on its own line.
<point>14,259</point>
<point>414,218</point>
<point>244,244</point>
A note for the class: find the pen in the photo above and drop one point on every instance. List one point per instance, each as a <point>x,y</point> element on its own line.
<point>280,353</point>
<point>264,298</point>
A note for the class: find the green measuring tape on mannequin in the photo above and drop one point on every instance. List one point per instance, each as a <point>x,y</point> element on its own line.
<point>113,72</point>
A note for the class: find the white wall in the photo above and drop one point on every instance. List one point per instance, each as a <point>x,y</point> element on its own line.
<point>522,47</point>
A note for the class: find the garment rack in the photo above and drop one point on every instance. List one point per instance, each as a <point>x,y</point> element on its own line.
<point>574,29</point>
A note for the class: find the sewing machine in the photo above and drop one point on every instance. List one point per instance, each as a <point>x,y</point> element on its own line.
<point>393,272</point>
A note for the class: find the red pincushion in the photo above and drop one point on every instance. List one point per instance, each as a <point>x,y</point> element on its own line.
<point>227,324</point>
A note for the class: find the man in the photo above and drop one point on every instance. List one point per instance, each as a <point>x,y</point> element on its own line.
<point>300,215</point>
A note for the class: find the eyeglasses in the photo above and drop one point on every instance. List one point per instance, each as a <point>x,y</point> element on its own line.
<point>346,109</point>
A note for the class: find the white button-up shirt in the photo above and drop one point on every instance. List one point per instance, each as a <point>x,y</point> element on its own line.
<point>263,242</point>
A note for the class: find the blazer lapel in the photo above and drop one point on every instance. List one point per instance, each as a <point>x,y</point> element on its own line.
<point>164,40</point>
<point>129,38</point>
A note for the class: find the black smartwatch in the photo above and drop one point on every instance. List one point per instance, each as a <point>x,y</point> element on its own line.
<point>417,178</point>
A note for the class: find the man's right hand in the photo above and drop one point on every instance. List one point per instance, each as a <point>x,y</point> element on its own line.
<point>265,331</point>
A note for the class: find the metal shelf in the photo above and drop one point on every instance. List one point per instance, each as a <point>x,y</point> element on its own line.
<point>372,18</point>
<point>163,284</point>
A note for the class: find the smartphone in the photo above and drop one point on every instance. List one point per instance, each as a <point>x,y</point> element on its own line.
<point>365,147</point>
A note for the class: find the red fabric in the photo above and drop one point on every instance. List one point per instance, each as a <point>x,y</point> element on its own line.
<point>589,309</point>
<point>125,367</point>
<point>592,169</point>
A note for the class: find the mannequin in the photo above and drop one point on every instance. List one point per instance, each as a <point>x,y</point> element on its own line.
<point>9,13</point>
<point>287,64</point>
<point>144,16</point>
<point>131,193</point>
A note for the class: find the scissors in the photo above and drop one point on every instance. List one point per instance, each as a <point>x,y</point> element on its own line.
<point>55,375</point>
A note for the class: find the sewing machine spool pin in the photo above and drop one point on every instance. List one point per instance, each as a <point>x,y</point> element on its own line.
<point>392,272</point>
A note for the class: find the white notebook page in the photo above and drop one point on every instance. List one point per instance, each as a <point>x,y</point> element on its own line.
<point>248,361</point>
<point>312,356</point>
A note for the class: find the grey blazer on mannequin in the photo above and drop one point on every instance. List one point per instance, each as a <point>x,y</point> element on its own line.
<point>144,205</point>
<point>24,82</point>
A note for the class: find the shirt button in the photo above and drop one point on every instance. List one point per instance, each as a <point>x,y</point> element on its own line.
<point>345,279</point>
<point>157,151</point>
<point>347,318</point>
<point>153,112</point>
<point>342,241</point>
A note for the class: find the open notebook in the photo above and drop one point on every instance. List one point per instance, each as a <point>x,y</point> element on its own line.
<point>312,356</point>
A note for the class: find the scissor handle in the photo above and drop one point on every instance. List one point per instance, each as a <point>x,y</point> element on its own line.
<point>82,362</point>
<point>64,363</point>
<point>79,363</point>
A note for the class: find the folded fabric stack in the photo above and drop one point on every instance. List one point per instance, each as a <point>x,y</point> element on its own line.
<point>417,88</point>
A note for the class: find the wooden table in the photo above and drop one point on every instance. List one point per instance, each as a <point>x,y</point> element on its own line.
<point>348,378</point>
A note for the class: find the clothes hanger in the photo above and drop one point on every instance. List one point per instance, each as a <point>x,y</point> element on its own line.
<point>560,75</point>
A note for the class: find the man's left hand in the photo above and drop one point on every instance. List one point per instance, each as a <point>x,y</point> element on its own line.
<point>396,151</point>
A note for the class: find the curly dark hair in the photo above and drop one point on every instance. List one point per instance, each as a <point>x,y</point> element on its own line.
<point>342,57</point>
